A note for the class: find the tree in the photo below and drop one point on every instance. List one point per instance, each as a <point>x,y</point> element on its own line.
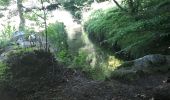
<point>45,23</point>
<point>22,20</point>
<point>45,9</point>
<point>20,11</point>
<point>132,6</point>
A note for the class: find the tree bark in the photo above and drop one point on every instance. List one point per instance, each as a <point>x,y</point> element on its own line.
<point>45,22</point>
<point>49,7</point>
<point>131,6</point>
<point>20,11</point>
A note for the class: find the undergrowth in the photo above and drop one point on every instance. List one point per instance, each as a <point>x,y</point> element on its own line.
<point>58,39</point>
<point>28,72</point>
<point>120,32</point>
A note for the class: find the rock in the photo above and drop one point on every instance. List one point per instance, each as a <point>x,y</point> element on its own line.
<point>18,34</point>
<point>152,63</point>
<point>142,66</point>
<point>150,60</point>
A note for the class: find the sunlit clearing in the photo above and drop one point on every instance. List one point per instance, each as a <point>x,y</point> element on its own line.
<point>64,16</point>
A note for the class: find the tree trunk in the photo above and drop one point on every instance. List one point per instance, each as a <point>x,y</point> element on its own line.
<point>45,22</point>
<point>131,5</point>
<point>22,20</point>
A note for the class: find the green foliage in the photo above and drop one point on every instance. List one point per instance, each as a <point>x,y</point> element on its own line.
<point>7,31</point>
<point>80,61</point>
<point>31,16</point>
<point>58,38</point>
<point>3,43</point>
<point>125,34</point>
<point>4,2</point>
<point>64,57</point>
<point>134,7</point>
<point>3,67</point>
<point>35,16</point>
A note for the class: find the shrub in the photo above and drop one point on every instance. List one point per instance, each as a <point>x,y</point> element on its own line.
<point>127,36</point>
<point>80,61</point>
<point>58,38</point>
<point>29,72</point>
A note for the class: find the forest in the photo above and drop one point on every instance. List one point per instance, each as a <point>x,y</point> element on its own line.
<point>84,49</point>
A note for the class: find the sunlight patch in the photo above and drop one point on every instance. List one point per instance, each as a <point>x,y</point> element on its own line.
<point>113,63</point>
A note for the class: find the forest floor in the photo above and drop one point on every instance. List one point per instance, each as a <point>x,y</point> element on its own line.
<point>78,87</point>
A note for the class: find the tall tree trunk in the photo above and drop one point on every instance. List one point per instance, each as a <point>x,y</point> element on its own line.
<point>45,22</point>
<point>22,20</point>
<point>137,6</point>
<point>131,5</point>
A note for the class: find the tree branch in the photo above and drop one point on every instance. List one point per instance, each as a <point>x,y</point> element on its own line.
<point>118,5</point>
<point>49,7</point>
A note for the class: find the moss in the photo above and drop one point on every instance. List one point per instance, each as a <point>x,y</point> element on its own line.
<point>127,64</point>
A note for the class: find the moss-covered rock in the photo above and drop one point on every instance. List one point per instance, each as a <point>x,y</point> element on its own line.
<point>149,64</point>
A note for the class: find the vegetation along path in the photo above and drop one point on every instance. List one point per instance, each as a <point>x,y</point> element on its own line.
<point>96,50</point>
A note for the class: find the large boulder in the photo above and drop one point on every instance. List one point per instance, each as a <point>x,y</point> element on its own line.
<point>149,64</point>
<point>155,60</point>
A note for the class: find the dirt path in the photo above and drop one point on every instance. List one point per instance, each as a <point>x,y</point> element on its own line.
<point>84,89</point>
<point>78,87</point>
